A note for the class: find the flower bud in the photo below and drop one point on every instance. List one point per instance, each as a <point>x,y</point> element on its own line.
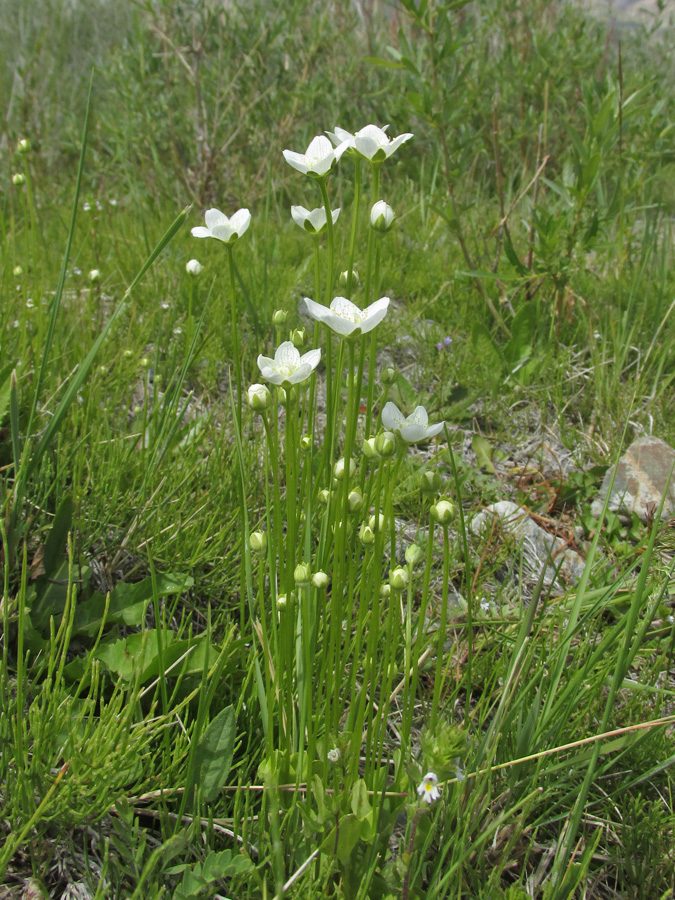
<point>158,378</point>
<point>385,591</point>
<point>366,535</point>
<point>305,442</point>
<point>279,317</point>
<point>382,217</point>
<point>127,354</point>
<point>193,267</point>
<point>298,338</point>
<point>430,482</point>
<point>413,554</point>
<point>398,579</point>
<point>377,524</point>
<point>257,541</point>
<point>18,179</point>
<point>259,397</point>
<point>94,276</point>
<point>320,581</point>
<point>17,271</point>
<point>369,450</point>
<point>23,146</point>
<point>103,368</point>
<point>385,444</point>
<point>302,574</point>
<point>343,280</point>
<point>355,500</point>
<point>388,375</point>
<point>324,497</point>
<point>339,468</point>
<point>144,363</point>
<point>282,601</point>
<point>443,512</point>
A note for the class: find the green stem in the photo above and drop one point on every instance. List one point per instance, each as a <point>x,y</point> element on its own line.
<point>235,333</point>
<point>331,239</point>
<point>355,225</point>
<point>440,642</point>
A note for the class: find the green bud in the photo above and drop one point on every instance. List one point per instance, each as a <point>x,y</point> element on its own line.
<point>302,574</point>
<point>355,500</point>
<point>430,482</point>
<point>18,179</point>
<point>388,375</point>
<point>103,369</point>
<point>144,363</point>
<point>23,146</point>
<point>282,601</point>
<point>443,512</point>
<point>366,535</point>
<point>257,541</point>
<point>324,496</point>
<point>339,468</point>
<point>343,280</point>
<point>320,580</point>
<point>369,450</point>
<point>127,354</point>
<point>279,317</point>
<point>398,579</point>
<point>305,442</point>
<point>377,524</point>
<point>17,271</point>
<point>298,338</point>
<point>385,444</point>
<point>413,554</point>
<point>385,591</point>
<point>94,276</point>
<point>158,378</point>
<point>382,217</point>
<point>259,397</point>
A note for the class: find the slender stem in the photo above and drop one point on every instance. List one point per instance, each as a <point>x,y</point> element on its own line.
<point>440,645</point>
<point>331,239</point>
<point>233,326</point>
<point>355,225</point>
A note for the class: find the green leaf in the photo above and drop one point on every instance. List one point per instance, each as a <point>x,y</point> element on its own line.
<point>348,833</point>
<point>58,537</point>
<point>383,63</point>
<point>214,753</point>
<point>360,804</point>
<point>5,389</point>
<point>481,447</point>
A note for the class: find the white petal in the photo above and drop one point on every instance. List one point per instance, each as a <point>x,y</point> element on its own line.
<point>223,232</point>
<point>200,232</point>
<point>317,217</point>
<point>419,416</point>
<point>340,135</point>
<point>240,221</point>
<point>340,325</point>
<point>264,362</point>
<point>366,146</point>
<point>214,217</point>
<point>311,358</point>
<point>324,165</point>
<point>300,374</point>
<point>316,310</point>
<point>272,376</point>
<point>319,148</point>
<point>392,417</point>
<point>335,214</point>
<point>287,354</point>
<point>299,214</point>
<point>297,160</point>
<point>373,133</point>
<point>346,309</point>
<point>374,314</point>
<point>396,143</point>
<point>345,145</point>
<point>412,434</point>
<point>433,430</point>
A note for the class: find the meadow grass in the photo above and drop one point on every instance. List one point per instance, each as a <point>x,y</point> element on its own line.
<point>234,663</point>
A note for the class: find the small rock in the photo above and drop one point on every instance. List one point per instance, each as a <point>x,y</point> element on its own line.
<point>536,542</point>
<point>642,478</point>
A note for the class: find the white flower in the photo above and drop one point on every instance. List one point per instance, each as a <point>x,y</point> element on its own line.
<point>193,267</point>
<point>382,216</point>
<point>371,142</point>
<point>221,228</point>
<point>345,317</point>
<point>428,789</point>
<point>319,158</point>
<point>415,428</point>
<point>333,755</point>
<point>288,367</point>
<point>313,221</point>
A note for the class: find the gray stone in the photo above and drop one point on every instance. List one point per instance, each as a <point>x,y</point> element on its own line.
<point>536,543</point>
<point>643,476</point>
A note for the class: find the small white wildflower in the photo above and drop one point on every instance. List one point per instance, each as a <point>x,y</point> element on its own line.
<point>413,429</point>
<point>288,367</point>
<point>333,755</point>
<point>428,789</point>
<point>223,228</point>
<point>313,221</point>
<point>345,318</point>
<point>86,206</point>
